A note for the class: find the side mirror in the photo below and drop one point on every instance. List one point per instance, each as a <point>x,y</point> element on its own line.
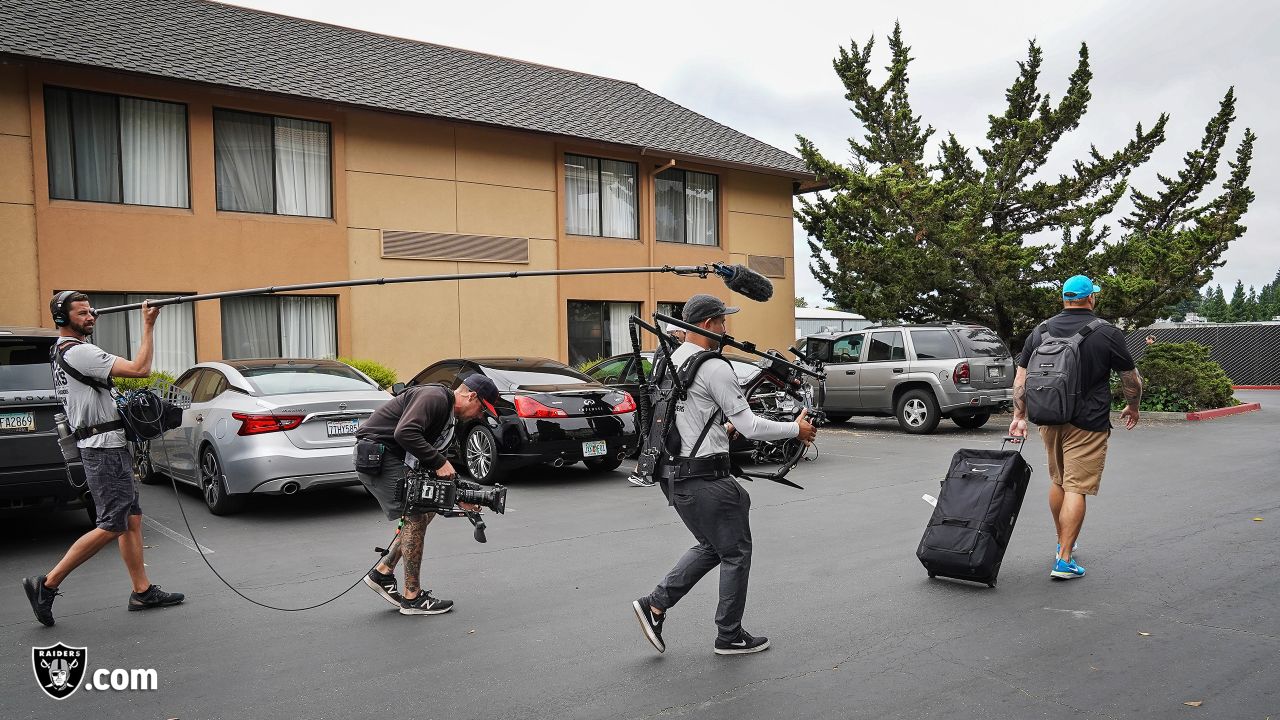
<point>397,388</point>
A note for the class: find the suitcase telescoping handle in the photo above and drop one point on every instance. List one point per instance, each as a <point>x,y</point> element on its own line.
<point>1019,441</point>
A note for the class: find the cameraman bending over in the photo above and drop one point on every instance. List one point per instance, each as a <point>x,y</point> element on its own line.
<point>108,466</point>
<point>711,503</point>
<point>416,426</point>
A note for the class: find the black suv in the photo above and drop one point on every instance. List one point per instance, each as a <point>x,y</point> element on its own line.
<point>32,473</point>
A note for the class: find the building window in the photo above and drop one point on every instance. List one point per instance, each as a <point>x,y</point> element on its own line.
<point>600,197</point>
<point>598,329</point>
<point>108,148</point>
<point>271,164</point>
<point>174,344</point>
<point>291,326</point>
<point>686,204</point>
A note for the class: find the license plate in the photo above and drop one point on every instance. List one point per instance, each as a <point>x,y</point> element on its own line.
<point>594,448</point>
<point>995,372</point>
<point>341,428</point>
<point>18,422</point>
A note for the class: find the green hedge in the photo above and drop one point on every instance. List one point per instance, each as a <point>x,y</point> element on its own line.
<point>126,384</point>
<point>381,374</point>
<point>1179,377</point>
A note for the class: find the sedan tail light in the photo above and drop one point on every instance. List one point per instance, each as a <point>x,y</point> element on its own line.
<point>961,373</point>
<point>251,424</point>
<point>527,407</point>
<point>627,405</point>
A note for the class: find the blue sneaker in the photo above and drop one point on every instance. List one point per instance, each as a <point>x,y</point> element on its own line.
<point>1066,570</point>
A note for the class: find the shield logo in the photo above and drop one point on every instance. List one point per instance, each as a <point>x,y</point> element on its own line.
<point>59,669</point>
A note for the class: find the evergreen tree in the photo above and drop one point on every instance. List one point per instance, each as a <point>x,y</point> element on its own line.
<point>1237,311</point>
<point>1253,310</point>
<point>801,302</point>
<point>916,238</point>
<point>1215,306</point>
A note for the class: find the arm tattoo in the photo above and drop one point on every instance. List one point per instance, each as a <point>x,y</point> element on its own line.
<point>1020,393</point>
<point>1131,384</point>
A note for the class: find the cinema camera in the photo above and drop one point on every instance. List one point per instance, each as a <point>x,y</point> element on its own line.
<point>424,492</point>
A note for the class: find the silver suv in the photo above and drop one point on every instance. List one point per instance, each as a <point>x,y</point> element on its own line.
<point>917,373</point>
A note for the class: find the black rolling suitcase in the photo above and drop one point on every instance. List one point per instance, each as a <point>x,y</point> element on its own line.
<point>976,511</point>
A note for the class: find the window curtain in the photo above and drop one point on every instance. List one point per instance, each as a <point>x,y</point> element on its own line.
<point>95,125</point>
<point>174,343</point>
<point>302,167</point>
<point>57,120</point>
<point>242,150</point>
<point>619,334</point>
<point>618,199</point>
<point>581,195</point>
<point>250,327</point>
<point>308,327</point>
<point>153,152</point>
<point>700,201</point>
<point>669,201</point>
<point>111,332</point>
<point>586,331</point>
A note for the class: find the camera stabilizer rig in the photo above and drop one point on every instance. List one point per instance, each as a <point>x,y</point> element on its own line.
<point>789,378</point>
<point>425,492</point>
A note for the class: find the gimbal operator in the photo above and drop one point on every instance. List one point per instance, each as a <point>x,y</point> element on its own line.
<point>414,427</point>
<point>82,375</point>
<point>712,504</point>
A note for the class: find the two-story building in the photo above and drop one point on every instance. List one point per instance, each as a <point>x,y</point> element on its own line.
<point>163,147</point>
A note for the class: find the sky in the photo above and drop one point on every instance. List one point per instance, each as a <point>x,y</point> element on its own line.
<point>764,68</point>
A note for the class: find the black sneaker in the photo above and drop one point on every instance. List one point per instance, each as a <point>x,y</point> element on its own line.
<point>640,480</point>
<point>384,585</point>
<point>424,604</point>
<point>651,624</point>
<point>742,644</point>
<point>41,599</point>
<point>153,597</point>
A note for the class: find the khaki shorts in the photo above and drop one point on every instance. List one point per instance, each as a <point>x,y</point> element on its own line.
<point>1076,457</point>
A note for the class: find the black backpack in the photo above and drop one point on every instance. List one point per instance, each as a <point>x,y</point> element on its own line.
<point>1053,375</point>
<point>661,446</point>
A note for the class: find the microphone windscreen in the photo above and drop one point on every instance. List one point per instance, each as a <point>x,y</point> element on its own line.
<point>750,283</point>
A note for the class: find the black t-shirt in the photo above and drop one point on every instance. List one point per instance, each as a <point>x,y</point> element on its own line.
<point>1101,352</point>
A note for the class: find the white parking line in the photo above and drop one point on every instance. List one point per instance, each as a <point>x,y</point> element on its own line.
<point>177,537</point>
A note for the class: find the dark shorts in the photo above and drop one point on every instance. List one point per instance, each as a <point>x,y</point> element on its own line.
<point>383,486</point>
<point>109,473</point>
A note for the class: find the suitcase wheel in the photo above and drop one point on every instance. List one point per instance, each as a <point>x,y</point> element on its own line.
<point>933,574</point>
<point>991,583</point>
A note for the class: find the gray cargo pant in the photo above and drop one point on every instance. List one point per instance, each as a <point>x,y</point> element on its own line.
<point>715,511</point>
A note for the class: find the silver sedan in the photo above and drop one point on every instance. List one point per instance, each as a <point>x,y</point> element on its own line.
<point>271,426</point>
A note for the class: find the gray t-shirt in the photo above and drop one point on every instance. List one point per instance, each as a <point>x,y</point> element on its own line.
<point>714,390</point>
<point>87,405</point>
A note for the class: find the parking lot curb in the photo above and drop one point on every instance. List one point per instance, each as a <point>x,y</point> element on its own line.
<point>1223,412</point>
<point>1255,387</point>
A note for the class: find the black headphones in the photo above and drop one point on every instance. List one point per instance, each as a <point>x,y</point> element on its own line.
<point>58,307</point>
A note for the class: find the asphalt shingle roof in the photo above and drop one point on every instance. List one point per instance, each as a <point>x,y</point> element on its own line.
<point>237,47</point>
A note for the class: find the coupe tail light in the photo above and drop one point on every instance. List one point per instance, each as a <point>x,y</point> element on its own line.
<point>258,424</point>
<point>527,407</point>
<point>627,405</point>
<point>961,373</point>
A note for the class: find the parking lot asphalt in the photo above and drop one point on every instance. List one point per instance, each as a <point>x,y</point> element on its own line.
<point>1179,603</point>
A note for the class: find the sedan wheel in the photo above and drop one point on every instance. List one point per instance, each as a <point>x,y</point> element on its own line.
<point>918,412</point>
<point>480,453</point>
<point>142,467</point>
<point>213,485</point>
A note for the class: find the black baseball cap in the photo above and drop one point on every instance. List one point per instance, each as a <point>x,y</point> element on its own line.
<point>483,387</point>
<point>704,307</point>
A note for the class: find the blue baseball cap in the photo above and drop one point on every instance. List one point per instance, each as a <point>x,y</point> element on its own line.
<point>1077,287</point>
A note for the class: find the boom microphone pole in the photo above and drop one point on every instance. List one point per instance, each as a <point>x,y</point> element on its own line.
<point>738,278</point>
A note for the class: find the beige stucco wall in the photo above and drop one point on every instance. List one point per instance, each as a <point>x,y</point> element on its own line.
<point>390,172</point>
<point>19,269</point>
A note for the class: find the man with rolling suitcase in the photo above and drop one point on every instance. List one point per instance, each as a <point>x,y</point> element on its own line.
<point>1063,386</point>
